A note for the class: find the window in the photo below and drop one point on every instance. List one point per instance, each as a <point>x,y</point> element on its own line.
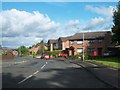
<point>79,50</point>
<point>79,42</point>
<point>100,41</point>
<point>92,41</point>
<point>71,42</point>
<point>91,49</point>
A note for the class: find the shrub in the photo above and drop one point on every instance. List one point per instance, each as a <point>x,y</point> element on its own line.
<point>86,56</point>
<point>78,56</point>
<point>54,53</point>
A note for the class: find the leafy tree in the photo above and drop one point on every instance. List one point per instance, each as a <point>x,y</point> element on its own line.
<point>22,50</point>
<point>33,53</point>
<point>116,26</point>
<point>40,43</point>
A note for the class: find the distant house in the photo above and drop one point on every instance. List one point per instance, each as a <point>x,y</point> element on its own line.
<point>9,54</point>
<point>15,53</point>
<point>93,42</point>
<point>37,49</point>
<point>52,44</point>
<point>63,43</point>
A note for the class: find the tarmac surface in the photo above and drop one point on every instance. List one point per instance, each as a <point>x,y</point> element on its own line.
<point>38,73</point>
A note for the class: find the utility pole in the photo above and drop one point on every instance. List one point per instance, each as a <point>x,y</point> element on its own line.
<point>43,47</point>
<point>83,46</point>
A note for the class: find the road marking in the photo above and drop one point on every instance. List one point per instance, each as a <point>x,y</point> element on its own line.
<point>25,79</point>
<point>28,77</point>
<point>43,66</point>
<point>32,74</point>
<point>35,72</point>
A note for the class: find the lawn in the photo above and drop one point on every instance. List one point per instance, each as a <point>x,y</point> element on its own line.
<point>108,61</point>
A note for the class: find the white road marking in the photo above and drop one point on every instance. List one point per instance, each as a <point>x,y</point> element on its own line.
<point>28,77</point>
<point>32,74</point>
<point>43,66</point>
<point>35,72</point>
<point>25,79</point>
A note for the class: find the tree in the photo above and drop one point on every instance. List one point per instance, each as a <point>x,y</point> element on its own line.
<point>40,43</point>
<point>116,26</point>
<point>22,50</point>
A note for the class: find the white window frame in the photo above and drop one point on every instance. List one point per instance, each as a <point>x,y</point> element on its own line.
<point>71,42</point>
<point>79,42</point>
<point>79,50</point>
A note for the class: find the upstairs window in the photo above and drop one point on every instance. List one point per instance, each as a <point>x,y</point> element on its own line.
<point>91,49</point>
<point>92,41</point>
<point>71,42</point>
<point>100,41</point>
<point>79,42</point>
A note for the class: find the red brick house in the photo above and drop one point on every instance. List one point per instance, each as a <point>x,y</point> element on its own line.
<point>93,41</point>
<point>52,44</point>
<point>63,43</point>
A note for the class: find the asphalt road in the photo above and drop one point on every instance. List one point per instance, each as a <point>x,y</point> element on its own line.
<point>36,73</point>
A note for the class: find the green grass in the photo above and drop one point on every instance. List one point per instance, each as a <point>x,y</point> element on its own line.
<point>108,61</point>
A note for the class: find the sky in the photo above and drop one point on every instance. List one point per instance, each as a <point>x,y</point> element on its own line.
<point>26,23</point>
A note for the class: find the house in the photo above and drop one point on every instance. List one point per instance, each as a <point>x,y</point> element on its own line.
<point>63,43</point>
<point>9,54</point>
<point>52,44</point>
<point>93,42</point>
<point>37,49</point>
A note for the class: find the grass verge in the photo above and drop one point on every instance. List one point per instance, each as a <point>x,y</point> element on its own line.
<point>113,62</point>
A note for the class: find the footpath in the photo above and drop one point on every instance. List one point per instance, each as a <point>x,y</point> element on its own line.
<point>106,74</point>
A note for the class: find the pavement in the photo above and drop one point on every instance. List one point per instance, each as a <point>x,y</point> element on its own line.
<point>106,74</point>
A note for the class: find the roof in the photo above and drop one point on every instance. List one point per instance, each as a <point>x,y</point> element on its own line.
<point>52,41</point>
<point>89,35</point>
<point>65,38</point>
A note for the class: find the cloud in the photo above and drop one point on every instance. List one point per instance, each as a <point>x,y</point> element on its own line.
<point>94,22</point>
<point>100,22</point>
<point>73,23</point>
<point>24,25</point>
<point>102,10</point>
<point>25,28</point>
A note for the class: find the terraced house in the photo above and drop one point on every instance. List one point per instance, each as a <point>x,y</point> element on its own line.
<point>93,41</point>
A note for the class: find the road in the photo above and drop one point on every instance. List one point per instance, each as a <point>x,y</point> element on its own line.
<point>36,73</point>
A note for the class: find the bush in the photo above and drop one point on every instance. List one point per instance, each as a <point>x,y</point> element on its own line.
<point>86,56</point>
<point>54,53</point>
<point>78,56</point>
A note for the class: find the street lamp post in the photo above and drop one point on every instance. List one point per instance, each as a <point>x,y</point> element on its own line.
<point>83,46</point>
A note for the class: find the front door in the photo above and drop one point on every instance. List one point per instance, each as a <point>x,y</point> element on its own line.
<point>71,51</point>
<point>99,51</point>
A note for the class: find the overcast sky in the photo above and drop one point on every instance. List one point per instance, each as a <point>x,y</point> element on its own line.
<point>26,23</point>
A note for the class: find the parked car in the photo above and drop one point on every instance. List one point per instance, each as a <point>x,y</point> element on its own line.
<point>63,55</point>
<point>108,53</point>
<point>46,56</point>
<point>38,57</point>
